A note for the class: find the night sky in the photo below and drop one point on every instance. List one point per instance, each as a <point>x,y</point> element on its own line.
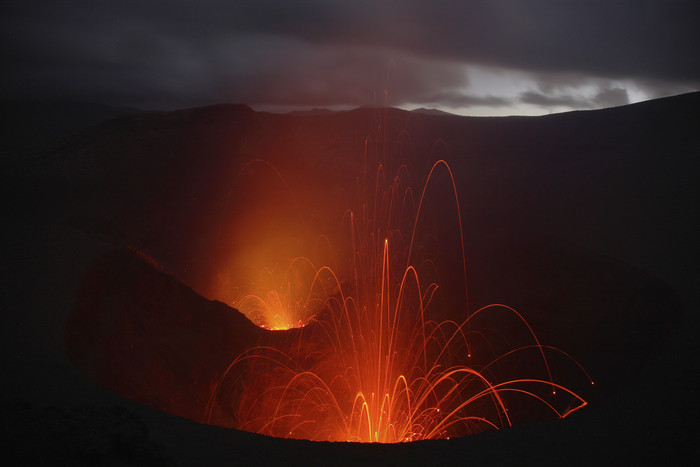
<point>490,57</point>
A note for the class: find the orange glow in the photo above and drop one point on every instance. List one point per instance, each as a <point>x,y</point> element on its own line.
<point>281,303</point>
<point>387,353</point>
<point>266,275</point>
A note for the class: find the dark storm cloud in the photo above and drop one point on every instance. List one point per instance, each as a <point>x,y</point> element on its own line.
<point>315,53</point>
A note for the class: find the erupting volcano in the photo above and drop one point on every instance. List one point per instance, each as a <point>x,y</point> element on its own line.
<point>387,348</point>
<point>350,233</point>
<point>291,276</point>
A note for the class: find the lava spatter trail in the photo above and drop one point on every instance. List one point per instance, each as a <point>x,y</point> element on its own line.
<point>384,352</point>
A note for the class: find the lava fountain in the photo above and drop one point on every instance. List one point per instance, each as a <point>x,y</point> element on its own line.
<point>386,348</point>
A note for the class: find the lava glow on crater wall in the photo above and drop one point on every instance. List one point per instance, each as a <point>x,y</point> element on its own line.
<point>387,349</point>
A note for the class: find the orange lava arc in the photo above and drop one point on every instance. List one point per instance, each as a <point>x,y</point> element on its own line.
<point>383,351</point>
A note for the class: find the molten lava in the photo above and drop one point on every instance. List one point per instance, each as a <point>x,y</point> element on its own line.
<point>386,348</point>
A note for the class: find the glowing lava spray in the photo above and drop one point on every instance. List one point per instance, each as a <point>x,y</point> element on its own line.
<point>381,355</point>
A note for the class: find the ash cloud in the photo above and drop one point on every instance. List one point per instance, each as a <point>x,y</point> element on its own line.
<point>325,53</point>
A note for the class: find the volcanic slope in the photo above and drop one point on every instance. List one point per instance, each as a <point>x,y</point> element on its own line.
<point>584,221</point>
